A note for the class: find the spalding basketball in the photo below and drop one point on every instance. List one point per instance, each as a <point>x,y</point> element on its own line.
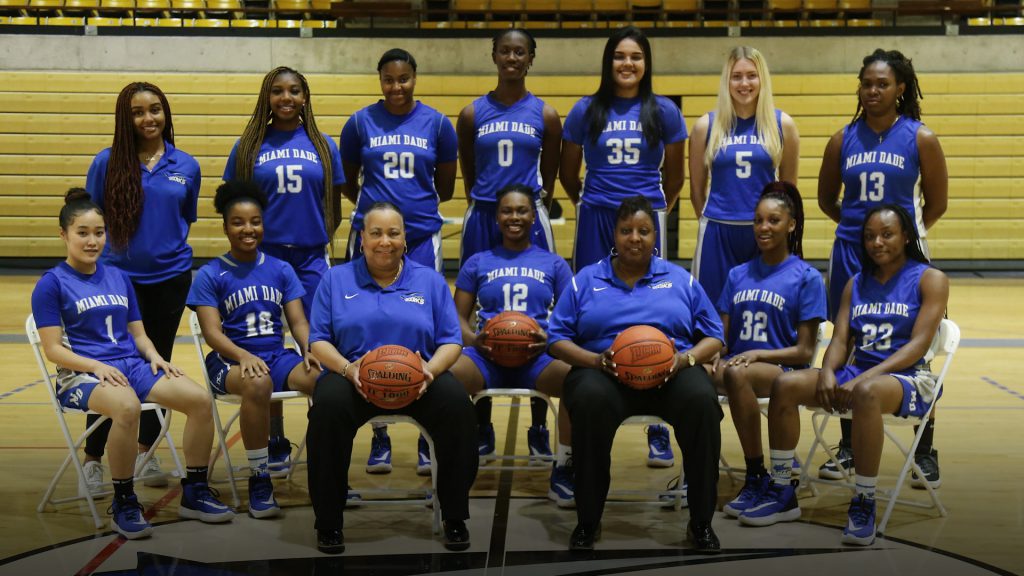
<point>509,338</point>
<point>391,376</point>
<point>643,356</point>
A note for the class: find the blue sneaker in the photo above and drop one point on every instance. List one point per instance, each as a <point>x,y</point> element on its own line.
<point>422,457</point>
<point>485,444</point>
<point>279,454</point>
<point>128,520</point>
<point>563,486</point>
<point>539,440</point>
<point>659,454</point>
<point>261,497</point>
<point>379,461</point>
<point>353,499</point>
<point>752,489</point>
<point>776,504</point>
<point>674,491</point>
<point>199,502</point>
<point>860,526</point>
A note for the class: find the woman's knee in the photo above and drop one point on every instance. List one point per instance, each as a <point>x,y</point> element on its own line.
<point>734,378</point>
<point>257,390</point>
<point>126,411</point>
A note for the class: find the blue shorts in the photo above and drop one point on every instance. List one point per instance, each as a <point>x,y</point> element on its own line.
<point>843,263</point>
<point>496,376</point>
<point>425,251</point>
<point>310,265</point>
<point>721,246</point>
<point>595,234</point>
<point>918,388</point>
<point>480,229</point>
<point>281,363</point>
<point>75,388</point>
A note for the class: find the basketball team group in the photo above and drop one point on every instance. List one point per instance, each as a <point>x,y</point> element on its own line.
<point>629,333</point>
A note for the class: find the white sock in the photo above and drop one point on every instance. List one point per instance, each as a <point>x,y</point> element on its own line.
<point>378,426</point>
<point>258,460</point>
<point>866,485</point>
<point>782,466</point>
<point>563,455</point>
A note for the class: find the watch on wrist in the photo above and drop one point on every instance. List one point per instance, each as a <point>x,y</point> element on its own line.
<point>691,360</point>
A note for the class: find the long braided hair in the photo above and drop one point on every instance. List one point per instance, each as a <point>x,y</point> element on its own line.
<point>787,194</point>
<point>123,195</point>
<point>903,69</point>
<point>252,138</point>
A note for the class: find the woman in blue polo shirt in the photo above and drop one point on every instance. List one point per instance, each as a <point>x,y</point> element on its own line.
<point>383,297</point>
<point>148,190</point>
<point>631,287</point>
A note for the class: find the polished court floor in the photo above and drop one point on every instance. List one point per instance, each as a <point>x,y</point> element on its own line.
<point>515,530</point>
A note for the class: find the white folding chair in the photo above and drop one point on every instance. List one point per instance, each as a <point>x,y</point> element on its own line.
<point>667,498</point>
<point>74,443</point>
<point>945,343</point>
<point>518,395</point>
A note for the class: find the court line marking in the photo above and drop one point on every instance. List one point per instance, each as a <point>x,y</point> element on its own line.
<point>20,389</point>
<point>999,386</point>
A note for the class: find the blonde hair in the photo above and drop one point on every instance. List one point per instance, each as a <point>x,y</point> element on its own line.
<point>725,114</point>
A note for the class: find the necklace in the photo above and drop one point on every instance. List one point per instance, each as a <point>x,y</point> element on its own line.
<point>154,156</point>
<point>884,133</point>
<point>399,273</point>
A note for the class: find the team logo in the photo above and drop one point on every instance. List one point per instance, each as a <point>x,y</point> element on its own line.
<point>662,285</point>
<point>415,298</point>
<point>179,178</point>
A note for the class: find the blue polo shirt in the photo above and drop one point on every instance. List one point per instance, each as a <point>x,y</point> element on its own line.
<point>597,306</point>
<point>159,249</point>
<point>356,315</point>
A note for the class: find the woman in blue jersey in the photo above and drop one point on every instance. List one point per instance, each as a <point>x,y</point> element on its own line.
<point>633,143</point>
<point>149,190</point>
<point>885,155</point>
<point>240,298</point>
<point>888,314</point>
<point>384,297</point>
<point>519,276</point>
<point>110,366</point>
<point>633,286</point>
<point>771,307</point>
<point>299,169</point>
<point>735,152</point>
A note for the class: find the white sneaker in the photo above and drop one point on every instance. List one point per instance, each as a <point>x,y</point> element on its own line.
<point>93,480</point>
<point>151,474</point>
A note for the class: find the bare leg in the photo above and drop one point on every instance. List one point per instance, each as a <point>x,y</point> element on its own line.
<point>789,391</point>
<point>744,385</point>
<point>183,395</point>
<point>122,406</point>
<point>550,382</point>
<point>871,399</point>
<point>254,413</point>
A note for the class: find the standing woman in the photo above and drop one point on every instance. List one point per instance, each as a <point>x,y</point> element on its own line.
<point>741,146</point>
<point>632,140</point>
<point>881,157</point>
<point>149,191</point>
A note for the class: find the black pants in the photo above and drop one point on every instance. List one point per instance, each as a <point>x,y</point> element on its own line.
<point>161,306</point>
<point>445,411</point>
<point>598,404</point>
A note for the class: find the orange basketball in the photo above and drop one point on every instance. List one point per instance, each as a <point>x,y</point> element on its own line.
<point>391,376</point>
<point>643,356</point>
<point>509,338</point>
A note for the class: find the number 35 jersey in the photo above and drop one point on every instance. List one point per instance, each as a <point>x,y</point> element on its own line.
<point>879,169</point>
<point>882,316</point>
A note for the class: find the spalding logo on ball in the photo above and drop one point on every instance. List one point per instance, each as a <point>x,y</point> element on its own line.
<point>509,336</point>
<point>391,376</point>
<point>643,356</point>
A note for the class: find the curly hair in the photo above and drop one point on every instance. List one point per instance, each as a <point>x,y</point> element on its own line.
<point>903,69</point>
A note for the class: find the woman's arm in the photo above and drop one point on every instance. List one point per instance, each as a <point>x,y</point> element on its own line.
<point>148,351</point>
<point>443,359</point>
<point>51,342</point>
<point>673,172</point>
<point>573,355</point>
<point>799,355</point>
<point>351,186</point>
<point>699,170</point>
<point>299,327</point>
<point>830,178</point>
<point>703,351</point>
<point>467,147</point>
<point>464,305</point>
<point>569,170</point>
<point>789,166</point>
<point>551,153</point>
<point>444,180</point>
<point>213,332</point>
<point>934,177</point>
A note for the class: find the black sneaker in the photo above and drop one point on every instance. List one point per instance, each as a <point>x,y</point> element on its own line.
<point>829,470</point>
<point>330,541</point>
<point>456,535</point>
<point>929,465</point>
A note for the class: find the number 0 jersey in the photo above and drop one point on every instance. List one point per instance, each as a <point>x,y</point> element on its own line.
<point>739,172</point>
<point>882,316</point>
<point>507,145</point>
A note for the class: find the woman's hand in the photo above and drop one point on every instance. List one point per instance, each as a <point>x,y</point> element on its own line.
<point>107,374</point>
<point>843,400</point>
<point>744,359</point>
<point>252,366</point>
<point>826,392</point>
<point>168,368</point>
<point>604,363</point>
<point>717,364</point>
<point>309,362</point>
<point>540,343</point>
<point>481,343</point>
<point>428,377</point>
<point>351,373</point>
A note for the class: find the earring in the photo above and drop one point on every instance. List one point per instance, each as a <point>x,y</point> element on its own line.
<point>657,252</point>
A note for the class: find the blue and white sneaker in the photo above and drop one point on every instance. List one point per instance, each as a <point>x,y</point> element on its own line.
<point>422,457</point>
<point>860,525</point>
<point>539,440</point>
<point>128,520</point>
<point>752,489</point>
<point>659,445</point>
<point>261,497</point>
<point>279,454</point>
<point>674,491</point>
<point>776,504</point>
<point>485,445</point>
<point>563,486</point>
<point>353,498</point>
<point>200,502</point>
<point>379,461</point>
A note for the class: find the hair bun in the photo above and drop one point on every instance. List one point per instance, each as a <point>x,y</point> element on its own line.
<point>76,195</point>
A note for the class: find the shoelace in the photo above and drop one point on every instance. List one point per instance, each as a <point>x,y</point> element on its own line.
<point>202,489</point>
<point>129,506</point>
<point>772,492</point>
<point>262,488</point>
<point>658,438</point>
<point>753,487</point>
<point>860,512</point>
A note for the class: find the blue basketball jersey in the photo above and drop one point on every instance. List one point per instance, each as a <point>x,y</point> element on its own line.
<point>398,155</point>
<point>290,172</point>
<point>527,282</point>
<point>250,297</point>
<point>507,145</point>
<point>94,309</point>
<point>622,163</point>
<point>882,316</point>
<point>739,172</point>
<point>879,169</point>
<point>766,304</point>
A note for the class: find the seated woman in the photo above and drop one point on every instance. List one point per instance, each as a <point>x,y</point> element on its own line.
<point>515,276</point>
<point>771,308</point>
<point>109,365</point>
<point>631,287</point>
<point>888,314</point>
<point>383,297</point>
<point>239,298</point>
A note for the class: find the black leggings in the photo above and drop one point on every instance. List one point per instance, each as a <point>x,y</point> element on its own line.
<point>161,306</point>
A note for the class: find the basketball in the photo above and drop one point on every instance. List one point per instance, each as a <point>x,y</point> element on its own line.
<point>509,338</point>
<point>643,356</point>
<point>391,376</point>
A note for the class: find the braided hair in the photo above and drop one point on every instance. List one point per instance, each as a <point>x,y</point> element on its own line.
<point>122,193</point>
<point>913,248</point>
<point>787,194</point>
<point>903,69</point>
